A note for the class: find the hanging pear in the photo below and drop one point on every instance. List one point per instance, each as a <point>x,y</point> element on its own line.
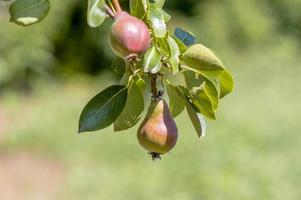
<point>158,132</point>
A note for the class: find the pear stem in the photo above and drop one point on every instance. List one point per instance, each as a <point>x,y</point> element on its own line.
<point>109,11</point>
<point>154,90</point>
<point>117,5</point>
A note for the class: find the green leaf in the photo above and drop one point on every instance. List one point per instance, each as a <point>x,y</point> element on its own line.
<point>185,37</point>
<point>158,3</point>
<point>210,86</point>
<point>103,109</point>
<point>28,12</point>
<point>152,59</point>
<point>200,96</point>
<point>197,120</point>
<point>163,46</point>
<point>212,91</point>
<point>96,14</point>
<point>119,66</point>
<point>174,54</point>
<point>133,108</point>
<point>208,74</point>
<point>166,16</point>
<point>157,22</point>
<point>160,11</point>
<point>138,8</point>
<point>200,57</point>
<point>176,103</point>
<point>140,83</point>
<point>226,83</point>
<point>182,47</point>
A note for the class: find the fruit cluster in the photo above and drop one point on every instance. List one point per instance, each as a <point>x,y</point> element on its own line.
<point>148,53</point>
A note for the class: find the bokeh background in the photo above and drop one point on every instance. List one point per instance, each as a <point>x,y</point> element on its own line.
<point>48,72</point>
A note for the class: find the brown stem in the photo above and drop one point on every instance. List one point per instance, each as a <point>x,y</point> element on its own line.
<point>117,5</point>
<point>109,11</point>
<point>154,90</point>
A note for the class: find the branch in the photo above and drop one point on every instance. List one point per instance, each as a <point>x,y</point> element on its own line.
<point>154,90</point>
<point>117,5</point>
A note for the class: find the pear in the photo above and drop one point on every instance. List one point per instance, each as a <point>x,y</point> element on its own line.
<point>158,132</point>
<point>129,35</point>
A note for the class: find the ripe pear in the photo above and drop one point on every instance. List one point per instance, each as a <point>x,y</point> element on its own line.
<point>158,132</point>
<point>129,35</point>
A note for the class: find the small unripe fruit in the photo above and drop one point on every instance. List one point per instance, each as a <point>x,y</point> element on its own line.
<point>158,133</point>
<point>129,35</point>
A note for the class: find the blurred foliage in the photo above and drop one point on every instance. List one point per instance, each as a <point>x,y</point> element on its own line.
<point>64,44</point>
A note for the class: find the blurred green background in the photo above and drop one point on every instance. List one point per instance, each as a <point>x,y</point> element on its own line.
<point>48,72</point>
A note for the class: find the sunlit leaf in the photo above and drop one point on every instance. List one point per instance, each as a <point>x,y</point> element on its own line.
<point>209,86</point>
<point>102,110</point>
<point>138,8</point>
<point>163,46</point>
<point>201,58</point>
<point>28,12</point>
<point>157,68</point>
<point>152,59</point>
<point>200,97</point>
<point>140,83</point>
<point>96,13</point>
<point>158,3</point>
<point>182,47</point>
<point>157,22</point>
<point>174,55</point>
<point>133,108</point>
<point>226,83</point>
<point>197,120</point>
<point>206,73</point>
<point>166,16</point>
<point>176,103</point>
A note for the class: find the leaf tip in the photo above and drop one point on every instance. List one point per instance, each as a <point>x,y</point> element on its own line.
<point>81,129</point>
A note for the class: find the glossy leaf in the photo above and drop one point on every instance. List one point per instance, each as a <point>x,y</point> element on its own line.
<point>226,83</point>
<point>28,12</point>
<point>176,103</point>
<point>182,47</point>
<point>96,13</point>
<point>157,22</point>
<point>184,36</point>
<point>138,8</point>
<point>174,55</point>
<point>163,46</point>
<point>158,7</point>
<point>211,90</point>
<point>158,3</point>
<point>157,68</point>
<point>197,120</point>
<point>200,57</point>
<point>133,108</point>
<point>166,16</point>
<point>102,110</point>
<point>152,59</point>
<point>210,86</point>
<point>201,98</point>
<point>208,74</point>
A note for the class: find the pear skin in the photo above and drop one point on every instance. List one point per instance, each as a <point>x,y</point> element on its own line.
<point>129,35</point>
<point>158,132</point>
